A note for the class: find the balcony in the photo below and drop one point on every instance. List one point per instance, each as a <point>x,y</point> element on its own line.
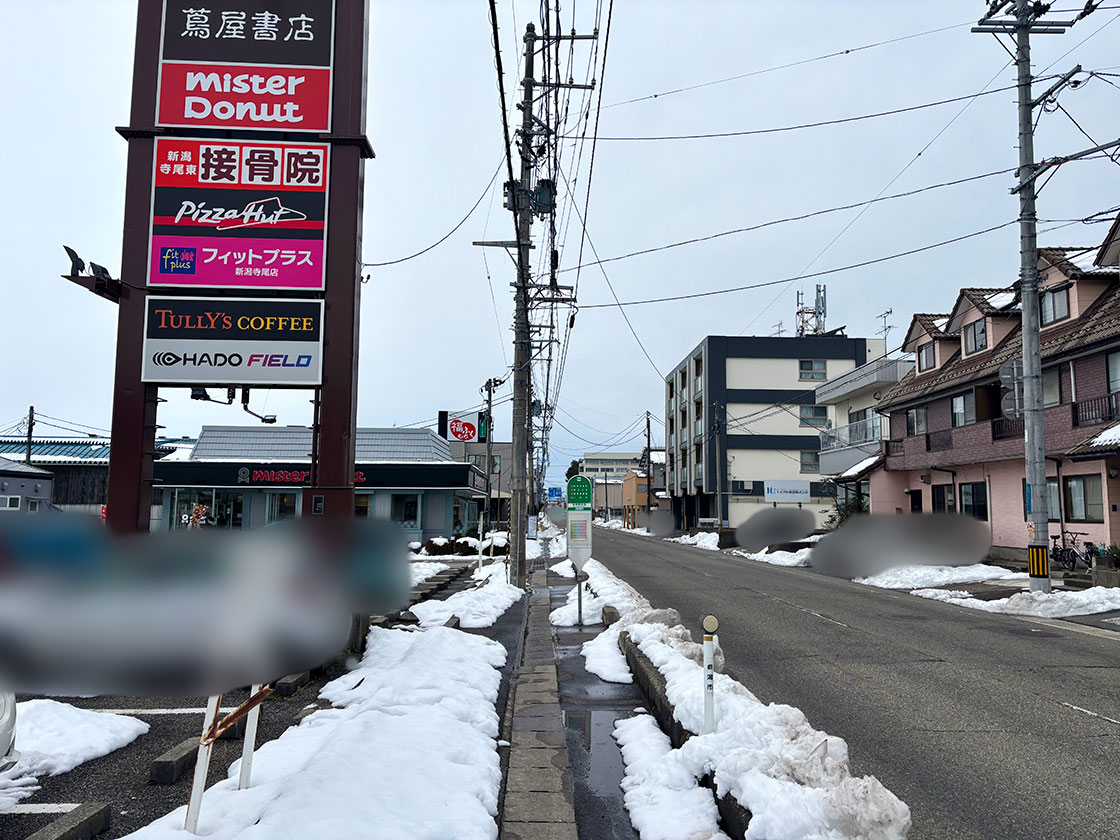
<point>698,428</point>
<point>937,441</point>
<point>867,378</point>
<point>698,474</point>
<point>1006,428</point>
<point>1096,410</point>
<point>672,437</point>
<point>854,434</point>
<point>698,386</point>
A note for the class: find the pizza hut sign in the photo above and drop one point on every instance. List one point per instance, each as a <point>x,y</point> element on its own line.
<point>462,430</point>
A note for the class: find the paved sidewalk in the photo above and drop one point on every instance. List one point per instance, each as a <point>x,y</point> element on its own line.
<point>538,801</point>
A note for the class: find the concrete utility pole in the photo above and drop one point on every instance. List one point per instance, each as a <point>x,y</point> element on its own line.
<point>521,349</point>
<point>488,516</point>
<point>30,428</point>
<point>1027,16</point>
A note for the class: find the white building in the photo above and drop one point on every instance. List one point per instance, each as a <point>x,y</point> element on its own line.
<point>612,466</point>
<point>743,425</point>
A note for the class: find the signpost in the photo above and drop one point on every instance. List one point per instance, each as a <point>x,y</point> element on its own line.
<point>580,499</point>
<point>555,494</point>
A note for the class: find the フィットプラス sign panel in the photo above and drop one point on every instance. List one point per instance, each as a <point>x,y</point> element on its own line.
<point>233,341</point>
<point>262,65</point>
<point>239,215</point>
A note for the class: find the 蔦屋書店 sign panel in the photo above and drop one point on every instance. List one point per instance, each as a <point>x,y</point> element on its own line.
<point>262,65</point>
<point>239,215</point>
<point>233,341</point>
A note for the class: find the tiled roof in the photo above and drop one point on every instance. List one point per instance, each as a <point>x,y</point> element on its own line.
<point>982,299</point>
<point>1071,260</point>
<point>934,325</point>
<point>1098,324</point>
<point>293,443</point>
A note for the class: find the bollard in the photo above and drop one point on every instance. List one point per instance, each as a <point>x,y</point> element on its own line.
<point>711,624</point>
<point>579,596</point>
<point>250,743</point>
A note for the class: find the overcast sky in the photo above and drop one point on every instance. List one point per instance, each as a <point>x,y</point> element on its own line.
<point>429,333</point>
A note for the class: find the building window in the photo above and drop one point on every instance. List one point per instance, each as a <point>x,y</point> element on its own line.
<point>495,463</point>
<point>925,357</point>
<point>1051,388</point>
<point>281,506</point>
<point>405,510</point>
<point>738,486</point>
<point>32,505</point>
<point>1053,502</point>
<point>812,369</point>
<point>1113,372</point>
<point>814,415</point>
<point>974,500</point>
<point>810,462</point>
<point>964,409</point>
<point>916,421</point>
<point>975,336</point>
<point>9,502</point>
<point>1055,305</point>
<point>1083,498</point>
<point>943,499</point>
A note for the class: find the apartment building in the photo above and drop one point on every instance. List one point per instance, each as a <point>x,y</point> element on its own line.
<point>612,466</point>
<point>743,426</point>
<point>952,448</point>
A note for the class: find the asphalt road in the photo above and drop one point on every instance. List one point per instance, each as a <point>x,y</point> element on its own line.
<point>962,714</point>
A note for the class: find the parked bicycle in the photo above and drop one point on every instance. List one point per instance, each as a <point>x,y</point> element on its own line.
<point>1070,554</point>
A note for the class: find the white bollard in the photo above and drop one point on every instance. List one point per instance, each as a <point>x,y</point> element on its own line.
<point>711,624</point>
<point>201,766</point>
<point>250,743</point>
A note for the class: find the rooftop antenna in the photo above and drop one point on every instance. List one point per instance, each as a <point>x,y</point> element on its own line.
<point>810,319</point>
<point>778,329</point>
<point>886,327</point>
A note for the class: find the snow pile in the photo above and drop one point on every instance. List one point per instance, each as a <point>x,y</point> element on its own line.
<point>662,796</point>
<point>498,539</point>
<point>438,540</point>
<point>533,549</point>
<point>423,569</point>
<point>924,577</point>
<point>477,607</point>
<point>54,738</point>
<point>564,568</point>
<point>794,779</point>
<point>558,547</point>
<point>619,525</point>
<point>707,540</point>
<point>414,546</point>
<point>468,542</point>
<point>409,750</point>
<point>1056,604</point>
<point>777,558</point>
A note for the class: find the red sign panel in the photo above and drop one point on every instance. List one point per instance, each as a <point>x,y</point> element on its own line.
<point>239,215</point>
<point>462,430</point>
<point>260,65</point>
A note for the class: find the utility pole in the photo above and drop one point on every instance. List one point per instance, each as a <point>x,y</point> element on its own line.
<point>488,515</point>
<point>521,349</point>
<point>649,470</point>
<point>30,428</point>
<point>1027,16</point>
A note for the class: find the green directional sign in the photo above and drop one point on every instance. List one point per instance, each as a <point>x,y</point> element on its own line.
<point>579,493</point>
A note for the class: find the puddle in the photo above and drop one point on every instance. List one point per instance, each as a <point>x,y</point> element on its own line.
<point>596,772</point>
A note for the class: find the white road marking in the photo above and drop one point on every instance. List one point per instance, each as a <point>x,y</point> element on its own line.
<point>1090,713</point>
<point>201,710</point>
<point>41,808</point>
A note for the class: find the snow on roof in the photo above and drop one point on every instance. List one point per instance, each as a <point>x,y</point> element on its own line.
<point>657,456</point>
<point>856,469</point>
<point>1001,299</point>
<point>1109,437</point>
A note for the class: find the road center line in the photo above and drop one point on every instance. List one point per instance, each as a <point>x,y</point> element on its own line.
<point>1088,712</point>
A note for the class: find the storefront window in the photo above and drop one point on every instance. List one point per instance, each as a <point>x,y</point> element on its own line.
<point>192,508</point>
<point>227,511</point>
<point>405,510</point>
<point>361,504</point>
<point>281,506</point>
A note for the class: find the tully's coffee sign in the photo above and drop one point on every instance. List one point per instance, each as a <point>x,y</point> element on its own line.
<point>261,65</point>
<point>241,215</point>
<point>233,341</point>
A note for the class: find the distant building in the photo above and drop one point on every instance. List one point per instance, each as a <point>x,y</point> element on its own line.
<point>23,488</point>
<point>743,426</point>
<point>635,495</point>
<point>608,498</point>
<point>501,471</point>
<point>613,466</point>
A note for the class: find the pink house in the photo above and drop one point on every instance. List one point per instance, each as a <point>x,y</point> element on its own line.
<point>951,448</point>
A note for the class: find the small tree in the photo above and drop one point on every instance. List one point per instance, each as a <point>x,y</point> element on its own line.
<point>573,470</point>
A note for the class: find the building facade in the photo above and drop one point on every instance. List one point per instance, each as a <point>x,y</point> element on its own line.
<point>24,488</point>
<point>501,471</point>
<point>635,496</point>
<point>743,427</point>
<point>954,445</point>
<point>612,466</point>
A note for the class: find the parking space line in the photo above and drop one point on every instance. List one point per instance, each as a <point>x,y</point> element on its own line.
<point>41,808</point>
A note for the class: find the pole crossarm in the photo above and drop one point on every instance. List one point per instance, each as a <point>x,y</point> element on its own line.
<point>1050,163</point>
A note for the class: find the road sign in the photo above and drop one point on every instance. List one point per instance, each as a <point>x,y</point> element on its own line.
<point>579,493</point>
<point>555,494</point>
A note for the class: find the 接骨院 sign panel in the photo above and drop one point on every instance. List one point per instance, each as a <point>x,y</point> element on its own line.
<point>261,65</point>
<point>233,341</point>
<point>238,215</point>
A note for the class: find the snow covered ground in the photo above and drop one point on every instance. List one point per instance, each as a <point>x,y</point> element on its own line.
<point>709,541</point>
<point>921,577</point>
<point>564,568</point>
<point>617,525</point>
<point>1056,604</point>
<point>793,778</point>
<point>421,570</point>
<point>54,737</point>
<point>777,558</point>
<point>477,607</point>
<point>409,749</point>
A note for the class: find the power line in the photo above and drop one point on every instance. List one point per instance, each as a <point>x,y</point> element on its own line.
<point>803,61</point>
<point>446,236</point>
<point>804,276</point>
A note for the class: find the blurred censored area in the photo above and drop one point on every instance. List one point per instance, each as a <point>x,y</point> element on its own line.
<point>192,612</point>
<point>869,544</point>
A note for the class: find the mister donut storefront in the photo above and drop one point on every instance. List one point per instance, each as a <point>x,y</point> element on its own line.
<point>242,477</point>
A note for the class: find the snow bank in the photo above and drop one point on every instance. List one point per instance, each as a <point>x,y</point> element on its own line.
<point>564,568</point>
<point>924,577</point>
<point>1056,604</point>
<point>619,525</point>
<point>423,569</point>
<point>777,558</point>
<point>558,547</point>
<point>54,738</point>
<point>533,549</point>
<point>409,750</point>
<point>478,607</point>
<point>661,794</point>
<point>707,540</point>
